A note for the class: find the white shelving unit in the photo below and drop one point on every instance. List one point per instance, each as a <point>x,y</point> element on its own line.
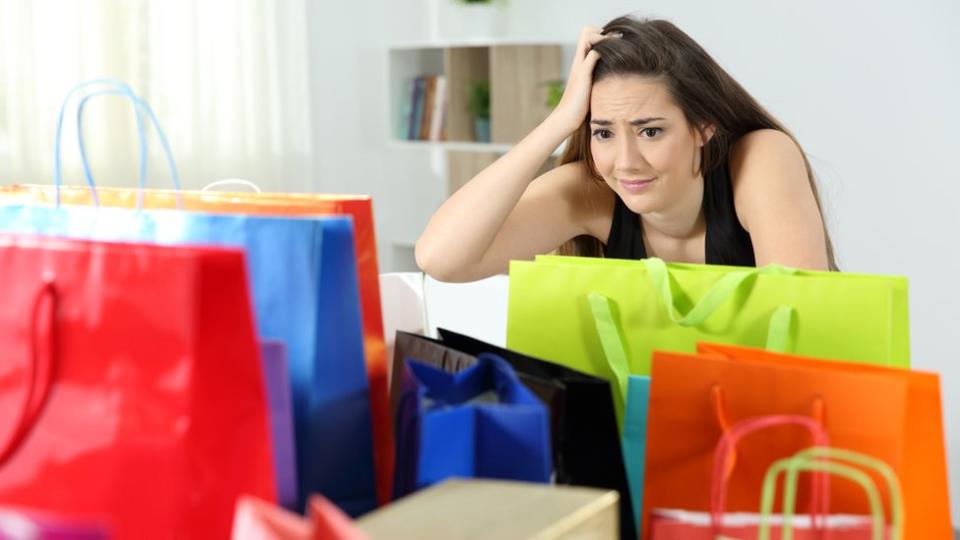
<point>517,70</point>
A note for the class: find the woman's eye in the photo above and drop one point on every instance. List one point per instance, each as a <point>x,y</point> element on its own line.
<point>650,132</point>
<point>601,134</point>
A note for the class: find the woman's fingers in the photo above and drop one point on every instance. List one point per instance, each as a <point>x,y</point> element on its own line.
<point>588,36</point>
<point>591,60</point>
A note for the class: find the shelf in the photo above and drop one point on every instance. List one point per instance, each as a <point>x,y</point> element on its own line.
<point>477,42</point>
<point>493,148</point>
<point>453,145</point>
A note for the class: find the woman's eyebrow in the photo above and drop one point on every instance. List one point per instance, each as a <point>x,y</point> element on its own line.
<point>637,122</point>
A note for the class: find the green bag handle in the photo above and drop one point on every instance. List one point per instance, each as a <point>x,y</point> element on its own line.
<point>613,348</point>
<point>867,462</point>
<point>811,459</point>
<point>778,332</point>
<point>778,339</point>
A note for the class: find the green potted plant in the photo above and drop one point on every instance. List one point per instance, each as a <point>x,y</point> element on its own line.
<point>479,106</point>
<point>473,18</point>
<point>554,92</point>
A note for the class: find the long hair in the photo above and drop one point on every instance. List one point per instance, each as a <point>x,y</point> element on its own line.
<point>706,93</point>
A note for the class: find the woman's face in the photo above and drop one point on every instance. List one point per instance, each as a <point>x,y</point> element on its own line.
<point>641,143</point>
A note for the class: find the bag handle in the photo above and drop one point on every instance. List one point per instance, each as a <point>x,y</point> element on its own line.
<point>613,349</point>
<point>727,444</point>
<point>608,332</point>
<point>811,460</point>
<point>819,454</point>
<point>719,403</point>
<point>57,165</point>
<point>37,392</point>
<point>232,182</point>
<point>781,322</point>
<point>114,87</point>
<point>140,106</point>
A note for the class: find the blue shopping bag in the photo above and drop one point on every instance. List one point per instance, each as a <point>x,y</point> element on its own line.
<point>304,283</point>
<point>479,423</point>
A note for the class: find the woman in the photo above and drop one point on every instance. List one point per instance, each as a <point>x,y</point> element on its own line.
<point>668,157</point>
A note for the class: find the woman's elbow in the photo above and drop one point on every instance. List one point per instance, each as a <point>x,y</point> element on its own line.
<point>432,263</point>
<point>441,265</point>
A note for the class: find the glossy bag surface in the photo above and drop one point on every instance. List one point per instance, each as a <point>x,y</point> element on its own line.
<point>133,379</point>
<point>358,207</point>
<point>303,281</point>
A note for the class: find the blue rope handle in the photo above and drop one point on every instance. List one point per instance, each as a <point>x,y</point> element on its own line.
<point>140,106</point>
<point>119,87</point>
<point>84,163</point>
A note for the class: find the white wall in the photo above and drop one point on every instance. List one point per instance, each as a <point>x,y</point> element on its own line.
<point>870,89</point>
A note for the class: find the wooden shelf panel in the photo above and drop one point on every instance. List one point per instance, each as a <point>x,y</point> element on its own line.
<point>464,66</point>
<point>519,76</point>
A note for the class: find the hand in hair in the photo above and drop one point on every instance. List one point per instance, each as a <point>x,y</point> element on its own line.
<point>503,213</point>
<point>575,102</point>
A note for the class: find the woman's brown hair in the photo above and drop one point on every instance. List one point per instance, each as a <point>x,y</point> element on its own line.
<point>706,93</point>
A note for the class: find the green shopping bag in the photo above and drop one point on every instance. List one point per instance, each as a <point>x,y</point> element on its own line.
<point>671,307</point>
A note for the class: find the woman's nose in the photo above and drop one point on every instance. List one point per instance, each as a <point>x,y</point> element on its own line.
<point>630,156</point>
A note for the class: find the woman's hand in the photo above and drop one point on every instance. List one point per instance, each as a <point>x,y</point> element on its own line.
<point>575,102</point>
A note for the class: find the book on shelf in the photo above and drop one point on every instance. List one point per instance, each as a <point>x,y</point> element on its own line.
<point>424,109</point>
<point>429,88</point>
<point>438,119</point>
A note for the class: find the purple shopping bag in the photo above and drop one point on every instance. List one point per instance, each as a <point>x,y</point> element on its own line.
<point>273,356</point>
<point>19,524</point>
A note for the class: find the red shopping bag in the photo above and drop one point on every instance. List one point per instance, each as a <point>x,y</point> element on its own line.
<point>132,383</point>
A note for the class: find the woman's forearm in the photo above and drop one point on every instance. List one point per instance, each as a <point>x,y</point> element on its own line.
<point>462,230</point>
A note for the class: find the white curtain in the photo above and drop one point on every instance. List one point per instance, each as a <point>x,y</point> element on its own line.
<point>228,80</point>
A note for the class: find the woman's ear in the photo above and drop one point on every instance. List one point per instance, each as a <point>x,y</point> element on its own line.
<point>705,133</point>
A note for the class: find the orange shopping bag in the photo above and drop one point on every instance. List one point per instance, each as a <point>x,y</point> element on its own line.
<point>360,208</point>
<point>890,413</point>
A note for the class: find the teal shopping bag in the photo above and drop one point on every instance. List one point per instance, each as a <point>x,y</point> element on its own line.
<point>635,437</point>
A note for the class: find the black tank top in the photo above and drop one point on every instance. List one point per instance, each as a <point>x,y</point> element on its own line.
<point>727,242</point>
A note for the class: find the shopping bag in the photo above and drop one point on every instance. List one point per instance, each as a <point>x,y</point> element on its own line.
<point>671,307</point>
<point>635,438</point>
<point>259,520</point>
<point>304,285</point>
<point>903,428</point>
<point>891,414</point>
<point>276,376</point>
<point>21,524</point>
<point>479,423</point>
<point>359,208</point>
<point>584,436</point>
<point>133,391</point>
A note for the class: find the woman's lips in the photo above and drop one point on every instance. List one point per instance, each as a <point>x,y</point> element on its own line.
<point>636,185</point>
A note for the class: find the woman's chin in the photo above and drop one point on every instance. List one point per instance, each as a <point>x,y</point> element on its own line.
<point>639,203</point>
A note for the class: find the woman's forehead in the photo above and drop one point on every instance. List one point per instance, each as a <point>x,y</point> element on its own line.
<point>628,97</point>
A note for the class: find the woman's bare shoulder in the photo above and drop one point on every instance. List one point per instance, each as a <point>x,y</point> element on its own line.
<point>590,200</point>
